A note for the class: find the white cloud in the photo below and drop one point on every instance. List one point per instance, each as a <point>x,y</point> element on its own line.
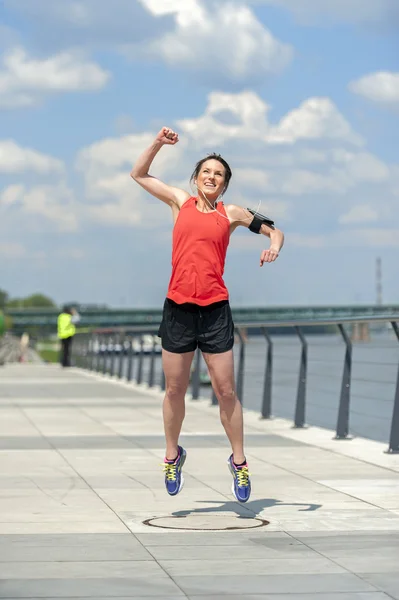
<point>312,172</point>
<point>299,182</point>
<point>248,109</point>
<point>225,42</point>
<point>113,197</point>
<point>102,161</point>
<point>317,160</point>
<point>252,178</point>
<point>88,23</point>
<point>11,195</point>
<point>370,13</point>
<point>112,153</point>
<point>167,7</point>
<point>316,118</point>
<point>360,214</point>
<point>122,213</point>
<point>342,172</point>
<point>361,166</point>
<point>24,81</point>
<point>16,159</point>
<point>56,203</point>
<point>381,87</point>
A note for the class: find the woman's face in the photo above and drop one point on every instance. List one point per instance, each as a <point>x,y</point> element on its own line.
<point>211,179</point>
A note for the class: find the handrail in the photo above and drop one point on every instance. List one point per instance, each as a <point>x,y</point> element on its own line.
<point>258,324</point>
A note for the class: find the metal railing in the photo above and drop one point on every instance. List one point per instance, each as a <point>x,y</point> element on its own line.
<point>133,354</point>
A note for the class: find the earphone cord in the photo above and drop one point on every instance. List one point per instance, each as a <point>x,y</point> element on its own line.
<point>221,196</point>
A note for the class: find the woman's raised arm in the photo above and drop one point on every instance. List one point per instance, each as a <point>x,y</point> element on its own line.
<point>167,193</point>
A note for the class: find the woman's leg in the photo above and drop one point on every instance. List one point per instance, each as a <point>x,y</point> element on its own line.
<point>221,370</point>
<point>177,376</point>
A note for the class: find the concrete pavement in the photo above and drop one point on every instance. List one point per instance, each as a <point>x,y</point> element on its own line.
<point>84,513</point>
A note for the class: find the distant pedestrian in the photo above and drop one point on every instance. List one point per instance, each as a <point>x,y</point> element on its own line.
<point>23,346</point>
<point>66,330</point>
<point>196,311</point>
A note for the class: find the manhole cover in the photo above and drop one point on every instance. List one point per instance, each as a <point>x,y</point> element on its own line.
<point>206,523</point>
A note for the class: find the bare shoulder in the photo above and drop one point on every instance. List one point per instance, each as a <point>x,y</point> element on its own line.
<point>181,196</point>
<point>237,214</point>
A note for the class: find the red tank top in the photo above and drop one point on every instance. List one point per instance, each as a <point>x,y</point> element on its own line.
<point>200,242</point>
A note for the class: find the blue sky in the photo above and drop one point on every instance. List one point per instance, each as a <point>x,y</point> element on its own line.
<point>301,97</point>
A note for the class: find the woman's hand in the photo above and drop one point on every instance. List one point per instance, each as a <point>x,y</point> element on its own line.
<point>269,255</point>
<point>167,136</point>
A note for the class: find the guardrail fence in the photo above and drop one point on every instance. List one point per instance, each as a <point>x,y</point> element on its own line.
<point>273,370</point>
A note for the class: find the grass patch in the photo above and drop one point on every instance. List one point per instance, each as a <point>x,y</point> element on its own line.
<point>52,356</point>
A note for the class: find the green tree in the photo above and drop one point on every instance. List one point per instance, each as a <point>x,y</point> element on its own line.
<point>33,301</point>
<point>3,299</point>
<point>39,301</point>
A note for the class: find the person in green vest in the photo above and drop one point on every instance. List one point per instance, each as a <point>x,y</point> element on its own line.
<point>66,330</point>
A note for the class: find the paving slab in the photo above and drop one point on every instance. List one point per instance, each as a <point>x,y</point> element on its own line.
<point>84,512</point>
<point>89,588</point>
<point>295,596</point>
<point>281,584</point>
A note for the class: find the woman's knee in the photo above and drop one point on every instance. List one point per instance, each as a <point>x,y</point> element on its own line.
<point>225,392</point>
<point>176,390</point>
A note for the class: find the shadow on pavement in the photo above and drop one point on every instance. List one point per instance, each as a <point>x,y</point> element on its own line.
<point>250,509</point>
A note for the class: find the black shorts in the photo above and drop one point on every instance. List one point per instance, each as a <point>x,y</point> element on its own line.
<point>185,327</point>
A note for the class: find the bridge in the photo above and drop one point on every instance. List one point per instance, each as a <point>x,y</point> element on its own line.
<point>46,319</point>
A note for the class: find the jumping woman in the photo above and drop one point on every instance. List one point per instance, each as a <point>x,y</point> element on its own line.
<point>196,312</point>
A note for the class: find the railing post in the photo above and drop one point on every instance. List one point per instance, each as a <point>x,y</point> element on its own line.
<point>75,352</point>
<point>91,352</point>
<point>394,436</point>
<point>113,355</point>
<point>121,356</point>
<point>267,384</point>
<point>130,361</point>
<point>151,373</point>
<point>105,355</point>
<point>139,377</point>
<point>84,351</point>
<point>72,356</point>
<point>163,381</point>
<point>344,402</point>
<point>301,392</point>
<point>240,371</point>
<point>214,400</point>
<point>98,357</point>
<point>195,377</point>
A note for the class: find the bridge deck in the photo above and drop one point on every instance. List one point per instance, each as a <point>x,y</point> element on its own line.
<point>79,474</point>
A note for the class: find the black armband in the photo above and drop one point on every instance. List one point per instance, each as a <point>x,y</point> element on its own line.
<point>258,221</point>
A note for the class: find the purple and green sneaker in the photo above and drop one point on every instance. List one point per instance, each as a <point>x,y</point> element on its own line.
<point>174,479</point>
<point>241,487</point>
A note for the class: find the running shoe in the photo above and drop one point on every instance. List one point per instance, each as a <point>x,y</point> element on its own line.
<point>174,479</point>
<point>241,487</point>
